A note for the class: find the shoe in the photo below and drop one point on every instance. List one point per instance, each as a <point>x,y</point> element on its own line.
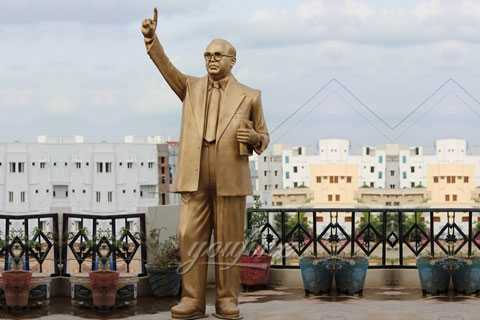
<point>227,311</point>
<point>187,311</point>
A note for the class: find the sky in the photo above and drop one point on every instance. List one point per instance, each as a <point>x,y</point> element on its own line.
<point>373,72</point>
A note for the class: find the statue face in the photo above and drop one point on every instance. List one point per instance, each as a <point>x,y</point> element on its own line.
<point>219,60</point>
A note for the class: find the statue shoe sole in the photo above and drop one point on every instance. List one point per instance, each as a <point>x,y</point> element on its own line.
<point>190,317</point>
<point>227,317</point>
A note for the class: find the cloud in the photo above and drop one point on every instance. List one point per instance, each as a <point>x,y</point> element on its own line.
<point>93,11</point>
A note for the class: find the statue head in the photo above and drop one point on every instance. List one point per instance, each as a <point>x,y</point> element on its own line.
<point>220,57</point>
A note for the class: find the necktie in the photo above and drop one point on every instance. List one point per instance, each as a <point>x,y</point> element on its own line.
<point>212,116</point>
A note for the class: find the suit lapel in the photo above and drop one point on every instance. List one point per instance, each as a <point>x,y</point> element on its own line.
<point>231,100</point>
<point>198,102</point>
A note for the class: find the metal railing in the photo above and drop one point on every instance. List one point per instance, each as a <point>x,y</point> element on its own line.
<point>391,238</point>
<point>31,238</point>
<point>120,238</point>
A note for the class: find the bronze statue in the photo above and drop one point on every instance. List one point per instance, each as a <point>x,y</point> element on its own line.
<point>222,123</point>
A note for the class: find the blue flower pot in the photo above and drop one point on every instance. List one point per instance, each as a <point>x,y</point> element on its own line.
<point>434,276</point>
<point>350,274</point>
<point>466,277</point>
<point>317,275</point>
<point>164,282</point>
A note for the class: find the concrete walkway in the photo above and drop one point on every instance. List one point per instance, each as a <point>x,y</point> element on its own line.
<point>282,303</point>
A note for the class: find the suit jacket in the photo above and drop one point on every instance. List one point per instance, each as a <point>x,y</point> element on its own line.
<point>239,104</point>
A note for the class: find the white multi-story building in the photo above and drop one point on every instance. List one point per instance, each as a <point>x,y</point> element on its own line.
<point>71,175</point>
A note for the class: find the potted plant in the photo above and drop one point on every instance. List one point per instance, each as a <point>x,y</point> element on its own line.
<point>104,281</point>
<point>254,262</point>
<point>162,267</point>
<point>434,274</point>
<point>466,276</point>
<point>16,282</point>
<point>350,274</point>
<point>317,274</point>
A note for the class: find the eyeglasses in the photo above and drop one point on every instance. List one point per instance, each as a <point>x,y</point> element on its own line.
<point>216,56</point>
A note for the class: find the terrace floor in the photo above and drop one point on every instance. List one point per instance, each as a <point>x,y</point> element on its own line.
<point>283,303</point>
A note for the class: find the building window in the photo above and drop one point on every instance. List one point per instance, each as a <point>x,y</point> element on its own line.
<point>404,159</point>
<point>380,175</point>
<point>21,167</point>
<point>465,179</point>
<point>264,159</point>
<point>276,173</point>
<point>42,165</point>
<point>319,179</point>
<point>392,186</point>
<point>22,196</point>
<point>99,167</point>
<point>435,179</point>
<point>287,160</point>
<point>10,196</point>
<point>404,175</point>
<point>78,165</point>
<point>372,184</point>
<point>454,197</point>
<point>150,165</point>
<point>330,197</point>
<point>295,184</point>
<point>287,175</point>
<point>110,196</point>
<point>164,180</point>
<point>392,173</point>
<point>265,187</point>
<point>162,160</point>
<point>265,173</point>
<point>13,167</point>
<point>163,170</point>
<point>380,159</point>
<point>276,186</point>
<point>337,197</point>
<point>348,219</point>
<point>367,151</point>
<point>129,165</point>
<point>319,218</point>
<point>164,199</point>
<point>108,167</point>
<point>447,197</point>
<point>372,169</point>
<point>412,169</point>
<point>295,169</point>
<point>349,179</point>
<point>97,196</point>
<point>412,184</point>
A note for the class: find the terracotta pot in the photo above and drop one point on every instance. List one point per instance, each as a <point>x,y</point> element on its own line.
<point>104,287</point>
<point>17,287</point>
<point>255,270</point>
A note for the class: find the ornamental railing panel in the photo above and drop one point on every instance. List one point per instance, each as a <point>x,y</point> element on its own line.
<point>92,242</point>
<point>391,238</point>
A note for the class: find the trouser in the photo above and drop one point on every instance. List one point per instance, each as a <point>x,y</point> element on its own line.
<point>201,212</point>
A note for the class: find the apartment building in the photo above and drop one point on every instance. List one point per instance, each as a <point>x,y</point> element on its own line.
<point>71,175</point>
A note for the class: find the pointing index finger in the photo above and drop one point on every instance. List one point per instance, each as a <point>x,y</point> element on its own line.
<point>155,15</point>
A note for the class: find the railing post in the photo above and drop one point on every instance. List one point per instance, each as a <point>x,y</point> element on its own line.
<point>432,235</point>
<point>314,214</point>
<point>284,251</point>
<point>401,238</point>
<point>64,244</point>
<point>470,232</point>
<point>94,238</point>
<point>56,244</point>
<point>27,246</point>
<point>352,236</point>
<point>143,243</point>
<point>384,240</point>
<point>114,236</point>
<point>8,242</point>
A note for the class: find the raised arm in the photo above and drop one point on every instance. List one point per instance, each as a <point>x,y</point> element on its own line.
<point>175,79</point>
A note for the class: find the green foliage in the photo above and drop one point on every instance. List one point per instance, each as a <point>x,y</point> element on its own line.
<point>162,254</point>
<point>376,220</point>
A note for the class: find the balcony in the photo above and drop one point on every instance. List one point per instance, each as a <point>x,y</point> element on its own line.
<point>390,238</point>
